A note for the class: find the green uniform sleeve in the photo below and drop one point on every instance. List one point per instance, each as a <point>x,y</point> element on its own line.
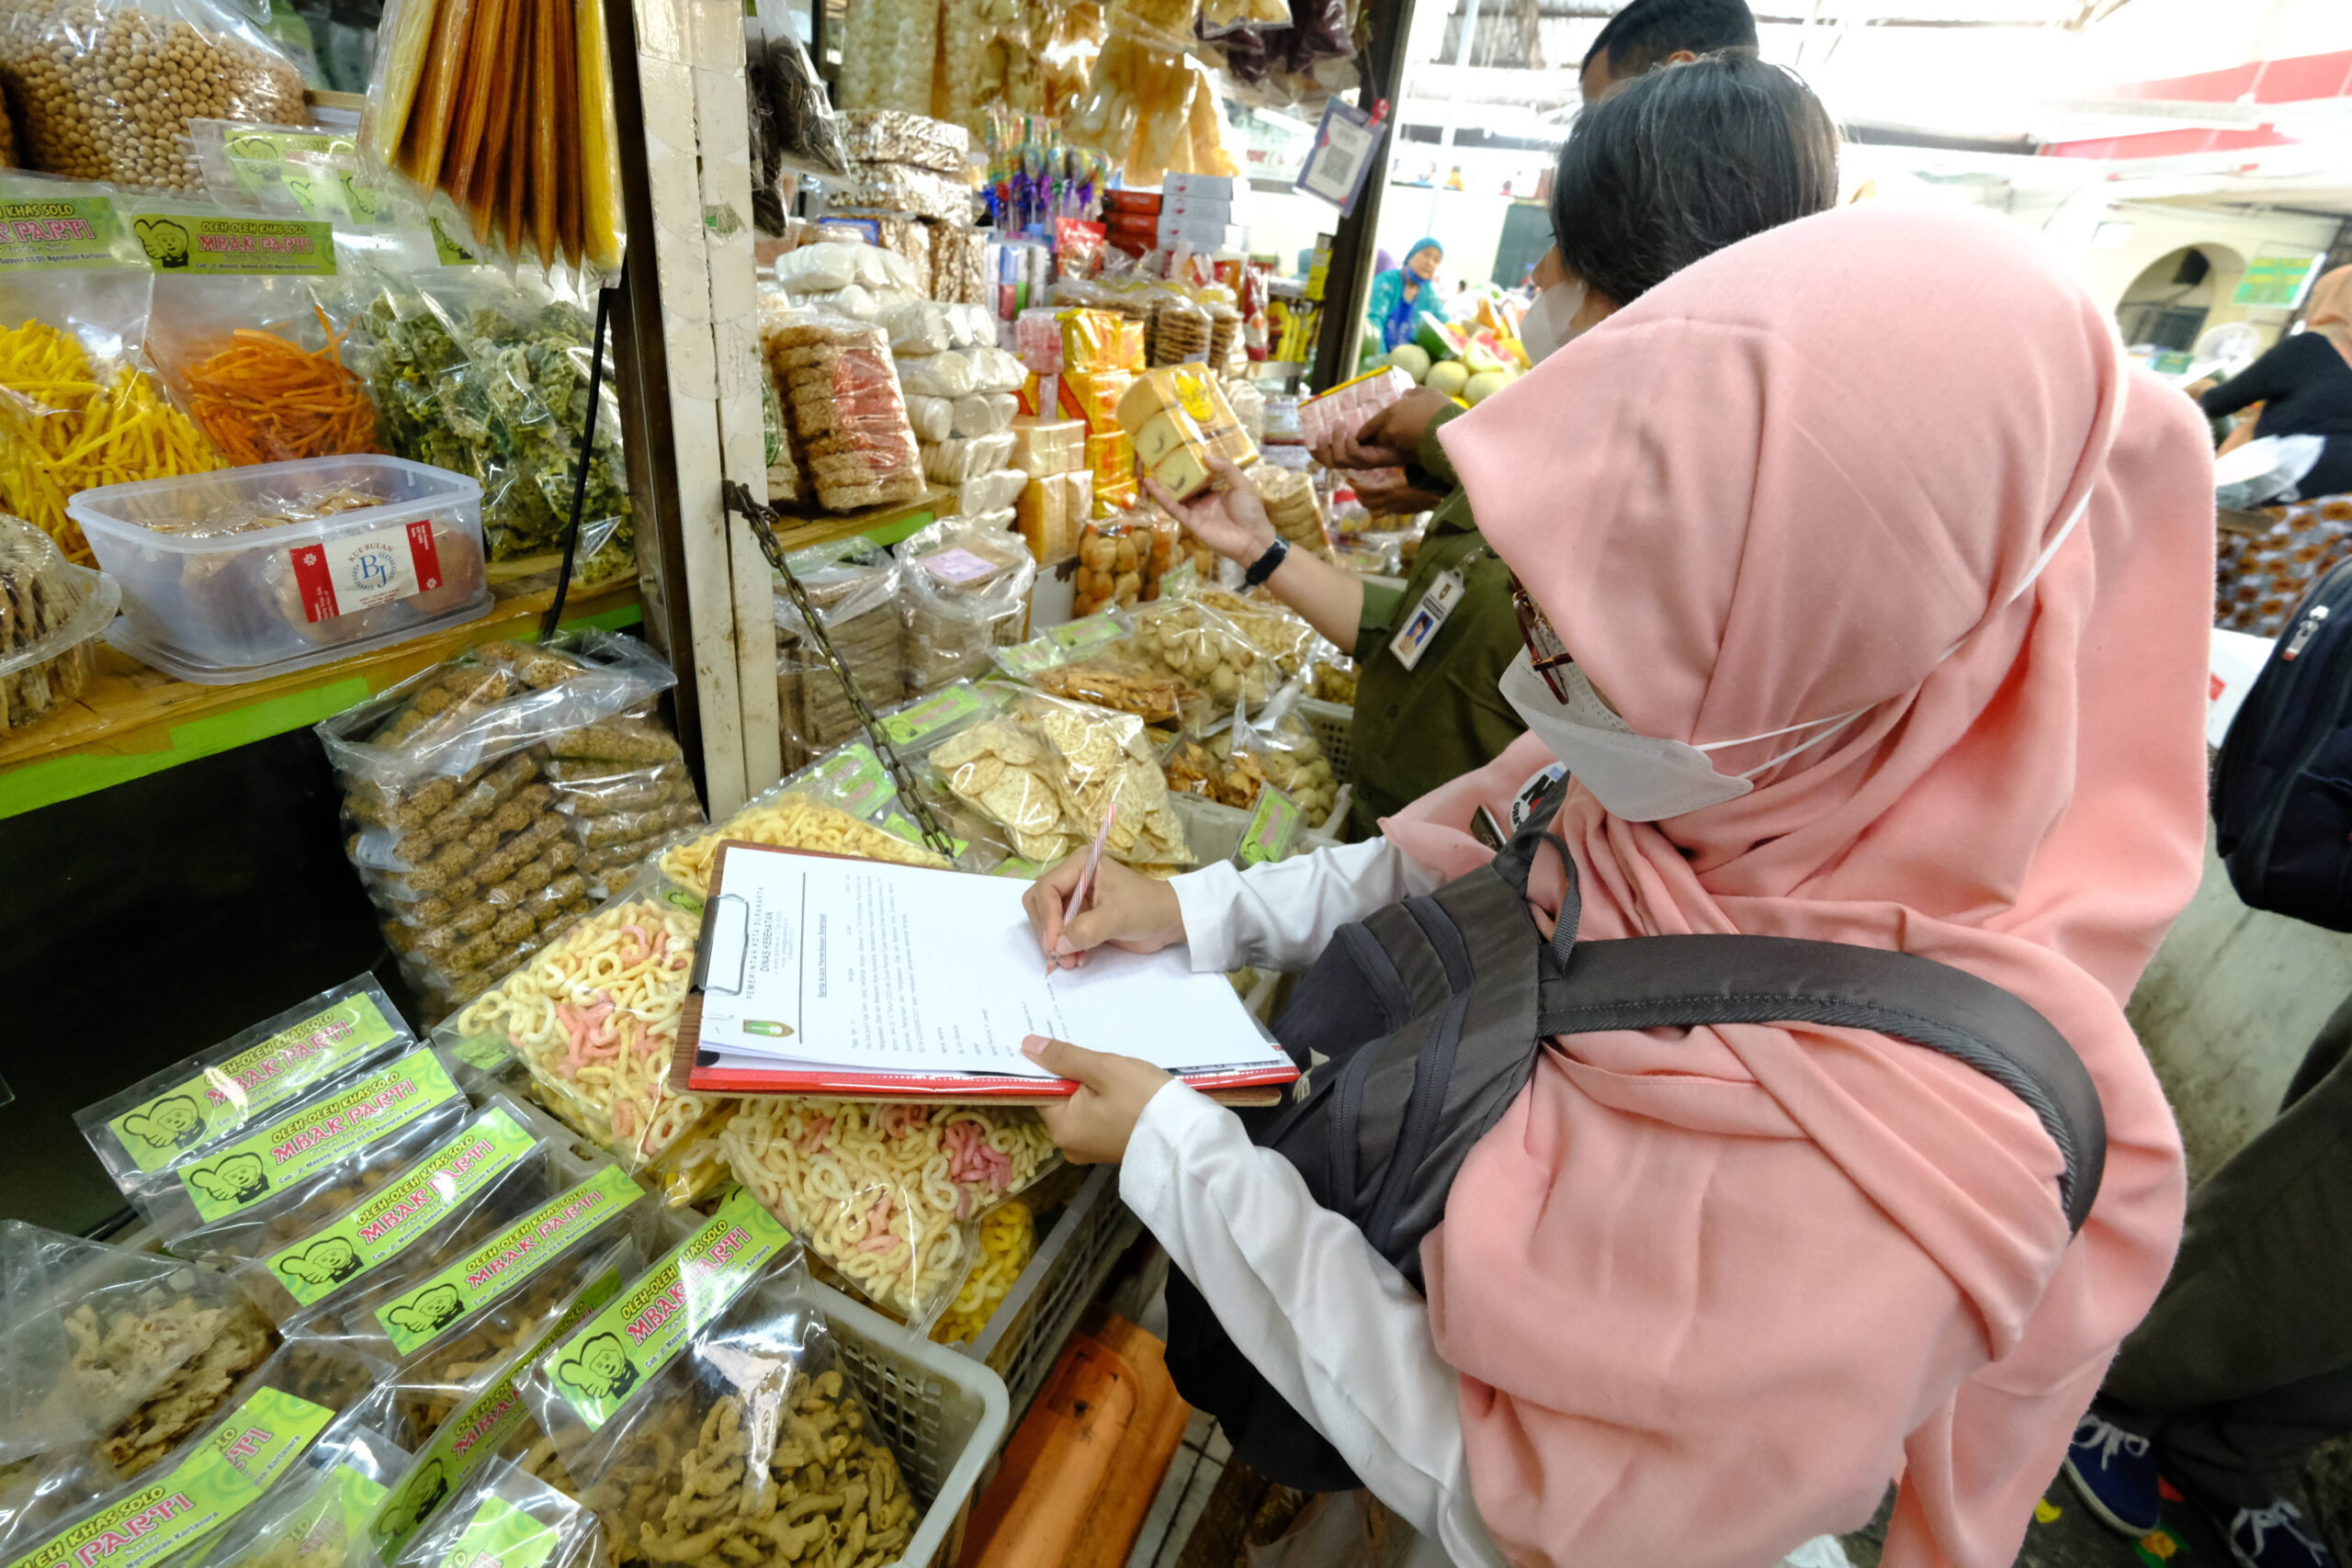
<point>1430,457</point>
<point>1380,605</point>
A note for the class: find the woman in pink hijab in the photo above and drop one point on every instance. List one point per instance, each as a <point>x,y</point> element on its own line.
<point>1897,628</point>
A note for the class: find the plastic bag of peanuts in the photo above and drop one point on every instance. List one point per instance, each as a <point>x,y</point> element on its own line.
<point>105,90</point>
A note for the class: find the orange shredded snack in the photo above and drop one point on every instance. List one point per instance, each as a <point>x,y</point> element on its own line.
<point>263,400</point>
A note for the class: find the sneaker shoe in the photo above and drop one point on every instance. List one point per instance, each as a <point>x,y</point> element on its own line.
<point>2275,1537</point>
<point>2114,1472</point>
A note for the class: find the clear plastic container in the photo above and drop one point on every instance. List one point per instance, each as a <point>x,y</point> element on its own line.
<point>50,615</point>
<point>248,572</point>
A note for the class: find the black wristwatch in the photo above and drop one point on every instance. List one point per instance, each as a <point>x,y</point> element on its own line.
<point>1265,566</point>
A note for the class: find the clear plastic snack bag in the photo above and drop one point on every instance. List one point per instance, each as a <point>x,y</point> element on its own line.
<point>298,1398</point>
<point>488,1419</point>
<point>504,1162</point>
<point>595,1018</point>
<point>853,584</point>
<point>884,1194</point>
<point>967,595</point>
<point>505,1516</point>
<point>463,1310</point>
<point>251,1196</point>
<point>126,1352</point>
<point>1279,748</point>
<point>183,1114</point>
<point>728,1430</point>
<point>74,71</point>
<point>1186,638</point>
<point>792,121</point>
<point>841,398</point>
<point>316,1516</point>
<point>1282,634</point>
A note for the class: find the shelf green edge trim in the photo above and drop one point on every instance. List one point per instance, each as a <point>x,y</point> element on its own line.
<point>35,784</point>
<point>905,527</point>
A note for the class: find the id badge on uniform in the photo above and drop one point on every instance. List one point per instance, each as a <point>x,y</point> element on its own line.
<point>1422,624</point>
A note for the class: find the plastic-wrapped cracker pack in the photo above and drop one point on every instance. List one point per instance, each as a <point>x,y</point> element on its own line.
<point>890,136</point>
<point>841,398</point>
<point>489,799</point>
<point>853,584</point>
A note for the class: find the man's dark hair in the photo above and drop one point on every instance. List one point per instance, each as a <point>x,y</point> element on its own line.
<point>1677,165</point>
<point>1648,30</point>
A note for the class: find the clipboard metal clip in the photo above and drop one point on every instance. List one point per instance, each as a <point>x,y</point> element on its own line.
<point>725,945</point>
<point>764,520</point>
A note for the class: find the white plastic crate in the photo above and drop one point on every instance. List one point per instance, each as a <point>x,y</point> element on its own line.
<point>1024,1335</point>
<point>1332,726</point>
<point>945,1415</point>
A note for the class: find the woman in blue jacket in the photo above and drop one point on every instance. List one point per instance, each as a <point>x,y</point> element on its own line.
<point>1400,296</point>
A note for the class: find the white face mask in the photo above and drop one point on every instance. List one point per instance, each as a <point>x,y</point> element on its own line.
<point>1643,779</point>
<point>1546,330</point>
<point>1636,778</point>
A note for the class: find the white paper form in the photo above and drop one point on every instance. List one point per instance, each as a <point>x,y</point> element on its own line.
<point>817,961</point>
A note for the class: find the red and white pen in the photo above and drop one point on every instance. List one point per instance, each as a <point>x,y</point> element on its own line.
<point>1077,904</point>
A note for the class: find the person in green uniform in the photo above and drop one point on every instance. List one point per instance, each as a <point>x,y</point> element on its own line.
<point>1667,168</point>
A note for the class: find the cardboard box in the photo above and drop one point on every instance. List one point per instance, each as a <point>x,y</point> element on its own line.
<point>1201,236</point>
<point>1121,201</point>
<point>1224,187</point>
<point>1048,445</point>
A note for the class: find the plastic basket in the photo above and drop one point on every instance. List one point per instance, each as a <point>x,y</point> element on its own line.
<point>1214,830</point>
<point>1332,727</point>
<point>942,1415</point>
<point>1026,1331</point>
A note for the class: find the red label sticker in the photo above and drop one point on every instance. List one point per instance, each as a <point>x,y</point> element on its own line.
<point>360,571</point>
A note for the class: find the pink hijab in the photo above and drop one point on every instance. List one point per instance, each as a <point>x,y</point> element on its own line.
<point>1710,1291</point>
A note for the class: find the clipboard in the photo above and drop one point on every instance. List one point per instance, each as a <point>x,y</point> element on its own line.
<point>722,940</point>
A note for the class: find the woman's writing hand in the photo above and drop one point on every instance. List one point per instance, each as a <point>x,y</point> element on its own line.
<point>1124,907</point>
<point>1094,1125</point>
<point>1389,438</point>
<point>1229,519</point>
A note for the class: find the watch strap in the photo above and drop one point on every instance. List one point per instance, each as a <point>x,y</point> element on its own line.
<point>1266,565</point>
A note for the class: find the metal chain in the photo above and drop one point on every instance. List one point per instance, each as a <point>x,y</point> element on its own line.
<point>764,519</point>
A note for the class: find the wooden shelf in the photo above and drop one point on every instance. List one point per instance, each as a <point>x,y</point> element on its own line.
<point>883,525</point>
<point>132,720</point>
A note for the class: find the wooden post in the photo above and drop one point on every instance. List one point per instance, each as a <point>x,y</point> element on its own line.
<point>693,344</point>
<point>1348,282</point>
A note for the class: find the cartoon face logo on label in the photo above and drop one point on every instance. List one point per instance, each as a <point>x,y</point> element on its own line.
<point>172,1122</point>
<point>324,1263</point>
<point>240,1178</point>
<point>165,241</point>
<point>416,1503</point>
<point>431,1310</point>
<point>602,1369</point>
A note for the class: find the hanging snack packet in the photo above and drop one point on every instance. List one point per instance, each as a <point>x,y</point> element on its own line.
<point>594,1017</point>
<point>505,1518</point>
<point>253,1195</point>
<point>504,1162</point>
<point>183,1502</point>
<point>884,1193</point>
<point>704,1415</point>
<point>317,1512</point>
<point>126,1350</point>
<point>187,1110</point>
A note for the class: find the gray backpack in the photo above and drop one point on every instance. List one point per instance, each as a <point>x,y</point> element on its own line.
<point>1419,1025</point>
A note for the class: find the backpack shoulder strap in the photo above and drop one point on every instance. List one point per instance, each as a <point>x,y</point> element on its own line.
<point>1679,981</point>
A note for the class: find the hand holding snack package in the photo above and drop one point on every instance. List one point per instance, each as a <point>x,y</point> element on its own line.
<point>127,1351</point>
<point>883,1194</point>
<point>594,1017</point>
<point>1179,419</point>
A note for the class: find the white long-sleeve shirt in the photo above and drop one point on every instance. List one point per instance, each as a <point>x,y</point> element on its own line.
<point>1327,1321</point>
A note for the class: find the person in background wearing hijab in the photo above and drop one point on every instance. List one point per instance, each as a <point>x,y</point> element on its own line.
<point>2304,385</point>
<point>1887,628</point>
<point>1680,164</point>
<point>1402,295</point>
<point>2244,1366</point>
